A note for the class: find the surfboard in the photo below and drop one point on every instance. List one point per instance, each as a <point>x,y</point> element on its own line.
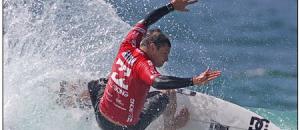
<point>206,112</point>
<point>211,113</point>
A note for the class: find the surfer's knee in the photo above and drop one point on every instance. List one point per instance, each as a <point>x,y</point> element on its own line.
<point>163,100</point>
<point>97,83</point>
<point>91,84</point>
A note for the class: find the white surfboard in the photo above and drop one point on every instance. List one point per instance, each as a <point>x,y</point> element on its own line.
<point>210,113</point>
<point>206,112</point>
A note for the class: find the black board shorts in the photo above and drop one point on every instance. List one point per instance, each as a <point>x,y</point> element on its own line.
<point>154,106</point>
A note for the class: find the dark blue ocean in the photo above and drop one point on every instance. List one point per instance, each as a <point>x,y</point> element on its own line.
<point>253,43</point>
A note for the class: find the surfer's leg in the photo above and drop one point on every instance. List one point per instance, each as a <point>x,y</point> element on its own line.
<point>154,106</point>
<point>168,115</point>
<point>172,121</point>
<point>96,89</point>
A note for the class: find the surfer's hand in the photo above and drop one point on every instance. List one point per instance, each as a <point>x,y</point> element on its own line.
<point>181,4</point>
<point>206,76</point>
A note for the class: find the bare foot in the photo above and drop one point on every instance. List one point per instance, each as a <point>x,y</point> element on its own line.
<point>70,96</point>
<point>85,96</point>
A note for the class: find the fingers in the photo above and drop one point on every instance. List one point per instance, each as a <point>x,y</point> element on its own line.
<point>213,75</point>
<point>192,1</point>
<point>207,69</point>
<point>188,2</point>
<point>180,5</point>
<point>212,78</point>
<point>185,10</point>
<point>206,76</point>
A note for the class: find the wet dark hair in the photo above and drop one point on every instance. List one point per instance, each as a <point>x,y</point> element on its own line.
<point>157,37</point>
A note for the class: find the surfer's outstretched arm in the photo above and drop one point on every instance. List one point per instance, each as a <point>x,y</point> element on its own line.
<point>136,34</point>
<point>170,82</point>
<point>157,14</point>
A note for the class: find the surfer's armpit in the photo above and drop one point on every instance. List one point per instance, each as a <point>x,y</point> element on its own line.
<point>155,15</point>
<point>170,82</point>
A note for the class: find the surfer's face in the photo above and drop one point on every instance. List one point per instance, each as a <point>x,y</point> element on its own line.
<point>160,56</point>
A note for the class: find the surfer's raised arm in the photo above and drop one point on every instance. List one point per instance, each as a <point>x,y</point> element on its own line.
<point>136,34</point>
<point>179,5</point>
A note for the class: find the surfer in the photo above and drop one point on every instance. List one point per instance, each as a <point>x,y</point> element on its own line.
<point>123,101</point>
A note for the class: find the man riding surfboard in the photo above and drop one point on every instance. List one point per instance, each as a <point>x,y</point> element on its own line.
<point>123,101</point>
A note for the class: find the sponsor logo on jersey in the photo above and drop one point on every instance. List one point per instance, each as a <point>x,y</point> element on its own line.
<point>130,59</point>
<point>119,78</point>
<point>131,109</point>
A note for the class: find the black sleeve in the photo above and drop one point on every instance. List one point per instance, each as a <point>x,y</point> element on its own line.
<point>170,82</point>
<point>155,15</point>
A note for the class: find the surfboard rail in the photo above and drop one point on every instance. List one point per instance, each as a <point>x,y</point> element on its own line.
<point>211,113</point>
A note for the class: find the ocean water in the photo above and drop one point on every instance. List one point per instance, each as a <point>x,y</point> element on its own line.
<point>254,44</point>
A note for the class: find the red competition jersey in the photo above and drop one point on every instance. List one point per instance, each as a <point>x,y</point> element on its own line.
<point>129,81</point>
